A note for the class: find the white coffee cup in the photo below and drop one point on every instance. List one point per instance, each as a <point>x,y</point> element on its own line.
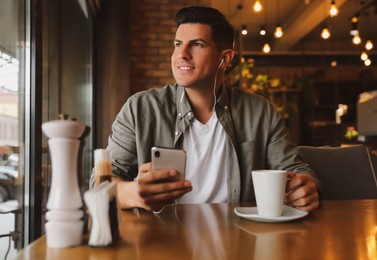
<point>269,188</point>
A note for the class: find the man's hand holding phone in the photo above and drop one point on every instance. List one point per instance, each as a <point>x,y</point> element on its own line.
<point>161,182</point>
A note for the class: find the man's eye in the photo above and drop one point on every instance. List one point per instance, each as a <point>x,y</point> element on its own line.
<point>177,44</point>
<point>197,44</point>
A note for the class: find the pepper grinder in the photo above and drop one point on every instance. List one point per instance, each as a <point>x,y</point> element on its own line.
<point>64,226</point>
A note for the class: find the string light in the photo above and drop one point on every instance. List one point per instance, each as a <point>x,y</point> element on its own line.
<point>333,10</point>
<point>367,62</point>
<point>262,30</point>
<point>334,63</point>
<point>364,56</point>
<point>243,30</point>
<point>325,34</point>
<point>356,39</point>
<point>369,45</point>
<point>266,48</point>
<point>354,22</point>
<point>257,6</point>
<point>278,31</point>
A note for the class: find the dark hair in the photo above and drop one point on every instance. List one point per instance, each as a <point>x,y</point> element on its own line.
<point>222,31</point>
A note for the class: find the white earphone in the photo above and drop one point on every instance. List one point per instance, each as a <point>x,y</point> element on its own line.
<point>221,63</point>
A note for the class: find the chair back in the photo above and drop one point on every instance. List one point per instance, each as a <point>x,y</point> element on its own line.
<point>344,172</point>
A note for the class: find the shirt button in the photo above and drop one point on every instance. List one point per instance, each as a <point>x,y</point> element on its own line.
<point>189,113</point>
<point>176,133</point>
<point>179,114</point>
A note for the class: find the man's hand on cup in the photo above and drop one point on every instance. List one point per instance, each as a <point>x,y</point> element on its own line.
<point>302,192</point>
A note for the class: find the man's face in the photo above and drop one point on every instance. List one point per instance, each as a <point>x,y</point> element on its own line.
<point>195,58</point>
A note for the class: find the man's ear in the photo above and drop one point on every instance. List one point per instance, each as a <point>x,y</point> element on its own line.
<point>228,57</point>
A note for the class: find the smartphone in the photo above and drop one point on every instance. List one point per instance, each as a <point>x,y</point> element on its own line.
<point>169,158</point>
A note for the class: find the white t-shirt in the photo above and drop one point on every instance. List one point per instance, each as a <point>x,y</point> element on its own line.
<point>207,163</point>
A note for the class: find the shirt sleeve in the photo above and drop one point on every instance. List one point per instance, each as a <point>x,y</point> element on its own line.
<point>122,144</point>
<point>282,152</point>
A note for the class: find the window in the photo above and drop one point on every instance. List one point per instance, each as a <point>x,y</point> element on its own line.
<point>45,69</point>
<point>13,88</point>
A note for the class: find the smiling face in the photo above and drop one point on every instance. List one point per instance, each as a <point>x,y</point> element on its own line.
<point>195,58</point>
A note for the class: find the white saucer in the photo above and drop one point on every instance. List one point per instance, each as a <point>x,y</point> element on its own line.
<point>251,213</point>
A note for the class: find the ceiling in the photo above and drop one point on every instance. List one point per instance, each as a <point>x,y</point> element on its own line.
<point>302,22</point>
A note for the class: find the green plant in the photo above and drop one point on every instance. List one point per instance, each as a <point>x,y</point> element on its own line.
<point>241,74</point>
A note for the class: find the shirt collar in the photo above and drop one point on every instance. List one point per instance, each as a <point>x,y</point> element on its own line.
<point>184,107</point>
<point>223,99</point>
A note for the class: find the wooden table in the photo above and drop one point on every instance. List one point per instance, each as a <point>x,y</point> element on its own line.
<point>337,230</point>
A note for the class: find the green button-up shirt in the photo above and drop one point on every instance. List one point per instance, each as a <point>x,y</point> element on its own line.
<point>257,136</point>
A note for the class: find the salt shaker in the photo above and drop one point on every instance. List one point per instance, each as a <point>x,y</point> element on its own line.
<point>64,226</point>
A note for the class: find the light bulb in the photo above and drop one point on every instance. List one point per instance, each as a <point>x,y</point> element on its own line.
<point>354,32</point>
<point>356,39</point>
<point>278,32</point>
<point>266,48</point>
<point>369,45</point>
<point>262,30</point>
<point>243,30</point>
<point>354,23</point>
<point>364,56</point>
<point>257,6</point>
<point>333,10</point>
<point>334,63</point>
<point>367,62</point>
<point>325,34</point>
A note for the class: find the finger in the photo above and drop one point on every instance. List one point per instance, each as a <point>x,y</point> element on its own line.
<point>157,201</point>
<point>145,167</point>
<point>303,191</point>
<point>290,175</point>
<point>288,186</point>
<point>306,190</point>
<point>297,181</point>
<point>310,207</point>
<point>303,201</point>
<point>165,198</point>
<point>164,187</point>
<point>156,176</point>
<point>310,201</point>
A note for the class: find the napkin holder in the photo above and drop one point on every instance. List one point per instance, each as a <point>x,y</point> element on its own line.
<point>102,208</point>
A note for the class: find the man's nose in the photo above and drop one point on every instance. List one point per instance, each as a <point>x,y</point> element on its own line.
<point>184,53</point>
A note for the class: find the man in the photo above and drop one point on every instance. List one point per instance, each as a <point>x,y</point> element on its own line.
<point>225,131</point>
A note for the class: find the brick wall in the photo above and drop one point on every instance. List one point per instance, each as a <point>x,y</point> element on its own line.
<point>152,33</point>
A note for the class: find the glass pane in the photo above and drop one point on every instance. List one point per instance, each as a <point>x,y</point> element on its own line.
<point>67,88</point>
<point>67,79</point>
<point>12,122</point>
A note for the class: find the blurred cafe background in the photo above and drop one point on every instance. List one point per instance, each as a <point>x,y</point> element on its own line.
<point>314,59</point>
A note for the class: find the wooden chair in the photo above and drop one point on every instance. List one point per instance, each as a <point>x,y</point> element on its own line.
<point>344,172</point>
